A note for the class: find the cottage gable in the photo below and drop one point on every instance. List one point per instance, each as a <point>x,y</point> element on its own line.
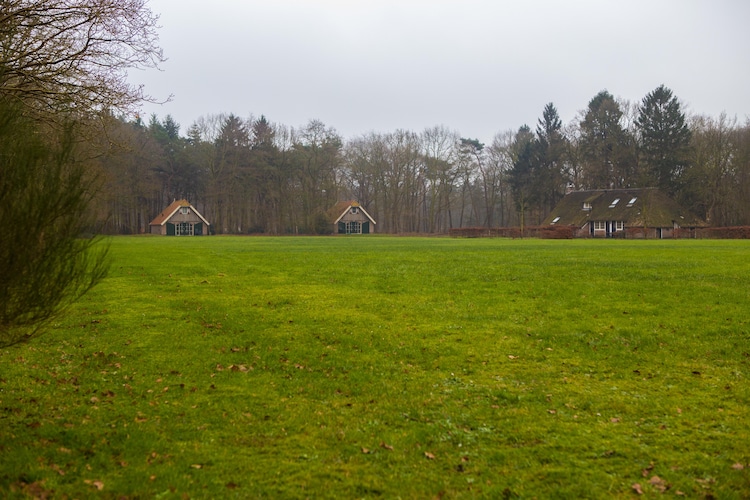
<point>615,212</point>
<point>349,217</point>
<point>180,218</point>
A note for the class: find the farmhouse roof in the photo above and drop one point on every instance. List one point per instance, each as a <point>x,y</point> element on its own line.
<point>341,208</point>
<point>642,207</point>
<point>168,212</point>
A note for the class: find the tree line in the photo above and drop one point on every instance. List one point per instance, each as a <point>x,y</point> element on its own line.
<point>255,176</point>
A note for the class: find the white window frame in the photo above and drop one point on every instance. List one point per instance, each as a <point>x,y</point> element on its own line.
<point>600,225</point>
<point>187,226</point>
<point>614,203</point>
<point>619,225</point>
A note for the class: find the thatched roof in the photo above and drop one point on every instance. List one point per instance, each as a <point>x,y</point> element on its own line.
<point>645,207</point>
<point>168,212</point>
<point>341,208</point>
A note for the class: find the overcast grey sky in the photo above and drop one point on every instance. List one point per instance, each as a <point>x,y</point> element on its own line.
<point>476,66</point>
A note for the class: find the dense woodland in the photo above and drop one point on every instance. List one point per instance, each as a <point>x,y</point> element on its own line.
<point>254,176</point>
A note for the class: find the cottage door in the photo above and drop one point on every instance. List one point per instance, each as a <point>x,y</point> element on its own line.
<point>365,228</point>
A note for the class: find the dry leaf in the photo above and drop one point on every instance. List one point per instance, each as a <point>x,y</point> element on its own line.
<point>96,484</point>
<point>196,466</point>
<point>429,455</point>
<point>659,484</point>
<point>637,488</point>
<point>510,356</point>
<point>738,466</point>
<point>366,451</point>
<point>386,446</point>
<point>645,472</point>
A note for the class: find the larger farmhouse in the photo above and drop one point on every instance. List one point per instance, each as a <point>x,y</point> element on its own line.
<point>631,213</point>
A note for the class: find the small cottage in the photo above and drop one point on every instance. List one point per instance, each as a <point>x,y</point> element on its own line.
<point>180,219</point>
<point>349,217</point>
<point>631,213</point>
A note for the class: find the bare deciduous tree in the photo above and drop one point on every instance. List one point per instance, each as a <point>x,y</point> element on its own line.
<point>73,55</point>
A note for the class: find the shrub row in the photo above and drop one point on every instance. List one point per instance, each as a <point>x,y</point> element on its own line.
<point>567,232</point>
<point>734,232</point>
<point>544,232</point>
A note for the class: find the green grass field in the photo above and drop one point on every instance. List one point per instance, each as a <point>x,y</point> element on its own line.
<point>348,367</point>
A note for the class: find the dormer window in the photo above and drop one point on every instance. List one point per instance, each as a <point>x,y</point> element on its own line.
<point>555,220</point>
<point>587,206</point>
<point>614,203</point>
<point>632,201</point>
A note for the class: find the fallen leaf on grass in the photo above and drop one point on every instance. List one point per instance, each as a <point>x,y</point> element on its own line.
<point>637,488</point>
<point>96,484</point>
<point>386,446</point>
<point>510,356</point>
<point>738,466</point>
<point>645,472</point>
<point>196,466</point>
<point>659,484</point>
<point>429,455</point>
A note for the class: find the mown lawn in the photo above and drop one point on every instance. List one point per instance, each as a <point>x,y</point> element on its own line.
<point>347,367</point>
